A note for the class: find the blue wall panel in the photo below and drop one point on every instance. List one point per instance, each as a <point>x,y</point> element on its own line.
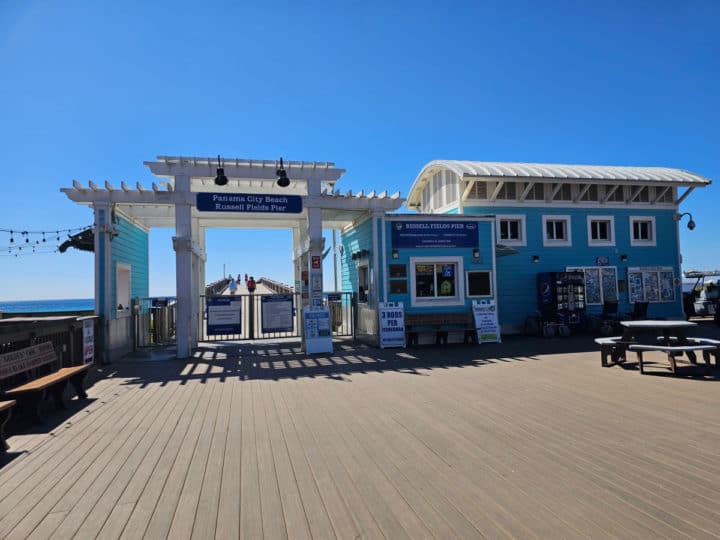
<point>353,241</point>
<point>130,247</point>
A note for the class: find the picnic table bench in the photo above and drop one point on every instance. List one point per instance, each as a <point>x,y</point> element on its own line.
<point>671,351</point>
<point>5,408</point>
<point>29,374</point>
<point>441,324</point>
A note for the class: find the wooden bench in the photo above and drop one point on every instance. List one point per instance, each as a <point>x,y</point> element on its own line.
<point>611,347</point>
<point>31,374</point>
<point>441,324</point>
<point>701,341</point>
<point>671,351</point>
<point>5,407</point>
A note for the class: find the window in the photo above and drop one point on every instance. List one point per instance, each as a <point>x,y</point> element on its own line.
<point>601,283</point>
<point>398,279</point>
<point>435,281</point>
<point>479,283</point>
<point>601,230</point>
<point>642,231</point>
<point>122,290</point>
<point>556,231</point>
<point>507,191</point>
<point>536,193</point>
<point>651,284</point>
<point>511,229</point>
<point>591,194</point>
<point>363,283</point>
<point>478,191</point>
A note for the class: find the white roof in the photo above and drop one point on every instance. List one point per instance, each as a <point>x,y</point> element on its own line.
<point>549,172</point>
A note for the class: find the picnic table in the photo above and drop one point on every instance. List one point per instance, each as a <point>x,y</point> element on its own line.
<point>666,336</point>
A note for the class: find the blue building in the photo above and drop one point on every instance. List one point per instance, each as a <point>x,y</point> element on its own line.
<point>485,231</point>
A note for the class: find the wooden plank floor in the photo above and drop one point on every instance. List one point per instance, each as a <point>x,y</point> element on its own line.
<point>251,441</point>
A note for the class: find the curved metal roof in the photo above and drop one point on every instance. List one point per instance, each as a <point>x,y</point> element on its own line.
<point>604,173</point>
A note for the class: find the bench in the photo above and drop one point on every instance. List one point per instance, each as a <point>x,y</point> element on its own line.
<point>613,348</point>
<point>29,374</point>
<point>441,324</point>
<point>701,341</point>
<point>671,351</point>
<point>5,407</point>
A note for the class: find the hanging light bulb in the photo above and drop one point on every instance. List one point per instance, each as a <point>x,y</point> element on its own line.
<point>12,240</point>
<point>283,180</point>
<point>220,179</point>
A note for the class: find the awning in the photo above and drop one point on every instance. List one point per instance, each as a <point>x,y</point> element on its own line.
<point>84,241</point>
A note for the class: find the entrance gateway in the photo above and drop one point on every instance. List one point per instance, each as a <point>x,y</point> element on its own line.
<point>187,198</point>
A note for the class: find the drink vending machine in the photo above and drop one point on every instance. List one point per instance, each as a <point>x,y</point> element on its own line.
<point>561,300</point>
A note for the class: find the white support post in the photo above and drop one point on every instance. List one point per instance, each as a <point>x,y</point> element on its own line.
<point>103,273</point>
<point>182,243</point>
<point>314,263</point>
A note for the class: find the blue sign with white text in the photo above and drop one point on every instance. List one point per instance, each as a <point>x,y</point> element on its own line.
<point>249,203</point>
<point>223,315</point>
<point>434,234</point>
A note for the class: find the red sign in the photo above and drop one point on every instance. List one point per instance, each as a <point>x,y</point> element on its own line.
<point>316,261</point>
<point>304,276</point>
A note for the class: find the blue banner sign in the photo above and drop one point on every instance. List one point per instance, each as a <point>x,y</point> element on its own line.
<point>277,313</point>
<point>223,315</point>
<point>434,234</point>
<point>249,203</point>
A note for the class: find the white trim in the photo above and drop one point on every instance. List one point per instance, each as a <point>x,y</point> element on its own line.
<point>547,242</point>
<point>653,233</point>
<point>126,301</point>
<point>467,283</point>
<point>591,241</point>
<point>522,241</point>
<point>457,300</point>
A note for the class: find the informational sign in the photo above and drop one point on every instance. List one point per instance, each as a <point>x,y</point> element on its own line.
<point>223,316</point>
<point>486,321</point>
<point>249,203</point>
<point>316,330</point>
<point>88,341</point>
<point>334,297</point>
<point>159,302</point>
<point>434,234</point>
<point>316,262</point>
<point>392,324</point>
<point>602,261</point>
<point>277,313</point>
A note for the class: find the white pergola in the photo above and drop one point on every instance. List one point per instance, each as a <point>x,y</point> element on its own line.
<point>172,202</point>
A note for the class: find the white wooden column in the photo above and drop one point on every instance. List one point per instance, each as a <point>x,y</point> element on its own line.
<point>103,273</point>
<point>182,244</point>
<point>314,260</point>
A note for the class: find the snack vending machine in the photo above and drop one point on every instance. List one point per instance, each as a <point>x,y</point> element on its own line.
<point>561,298</point>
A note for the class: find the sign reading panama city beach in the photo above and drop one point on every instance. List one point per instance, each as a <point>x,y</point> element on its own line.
<point>434,234</point>
<point>249,202</point>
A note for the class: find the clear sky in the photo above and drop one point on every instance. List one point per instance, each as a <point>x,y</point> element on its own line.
<point>89,90</point>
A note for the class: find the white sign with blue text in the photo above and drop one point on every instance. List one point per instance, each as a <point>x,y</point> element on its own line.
<point>392,324</point>
<point>486,321</point>
<point>316,330</point>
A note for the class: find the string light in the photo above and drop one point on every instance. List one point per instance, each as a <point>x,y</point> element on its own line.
<point>35,239</point>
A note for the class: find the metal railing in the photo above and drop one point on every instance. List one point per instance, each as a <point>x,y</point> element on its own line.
<point>154,321</point>
<point>276,286</point>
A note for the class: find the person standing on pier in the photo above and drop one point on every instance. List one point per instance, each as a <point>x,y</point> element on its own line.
<point>251,285</point>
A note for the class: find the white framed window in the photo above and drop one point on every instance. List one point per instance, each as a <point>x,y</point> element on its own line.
<point>122,290</point>
<point>642,231</point>
<point>652,284</point>
<point>614,195</point>
<point>601,283</point>
<point>479,283</point>
<point>536,193</point>
<point>436,281</point>
<point>556,231</point>
<point>510,229</point>
<point>601,230</point>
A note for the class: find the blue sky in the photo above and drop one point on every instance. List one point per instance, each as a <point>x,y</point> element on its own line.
<point>89,90</point>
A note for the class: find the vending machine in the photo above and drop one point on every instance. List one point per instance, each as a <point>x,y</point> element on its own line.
<point>561,298</point>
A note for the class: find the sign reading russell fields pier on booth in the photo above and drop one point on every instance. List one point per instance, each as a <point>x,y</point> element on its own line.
<point>249,202</point>
<point>434,234</point>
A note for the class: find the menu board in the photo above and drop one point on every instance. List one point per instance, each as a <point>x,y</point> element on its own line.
<point>593,291</point>
<point>635,287</point>
<point>651,284</point>
<point>667,286</point>
<point>609,284</point>
<point>392,324</point>
<point>486,321</point>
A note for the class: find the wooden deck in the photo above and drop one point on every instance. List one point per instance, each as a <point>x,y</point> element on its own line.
<point>367,443</point>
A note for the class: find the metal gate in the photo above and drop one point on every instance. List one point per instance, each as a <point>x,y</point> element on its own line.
<point>154,321</point>
<point>342,317</point>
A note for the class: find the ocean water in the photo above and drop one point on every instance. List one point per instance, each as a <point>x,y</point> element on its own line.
<point>48,306</point>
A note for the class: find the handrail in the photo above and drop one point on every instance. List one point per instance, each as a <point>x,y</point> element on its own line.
<point>276,286</point>
<point>216,287</point>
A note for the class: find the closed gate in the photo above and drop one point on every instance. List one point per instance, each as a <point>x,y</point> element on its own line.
<point>254,318</point>
<point>154,321</point>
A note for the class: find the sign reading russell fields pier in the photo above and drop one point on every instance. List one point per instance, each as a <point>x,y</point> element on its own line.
<point>434,234</point>
<point>249,202</point>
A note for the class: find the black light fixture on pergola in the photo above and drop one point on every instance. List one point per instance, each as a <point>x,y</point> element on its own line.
<point>220,179</point>
<point>283,180</point>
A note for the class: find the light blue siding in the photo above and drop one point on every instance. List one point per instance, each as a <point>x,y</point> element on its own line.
<point>130,247</point>
<point>353,241</point>
<point>516,274</point>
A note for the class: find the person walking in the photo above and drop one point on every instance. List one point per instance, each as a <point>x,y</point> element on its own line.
<point>232,286</point>
<point>251,285</point>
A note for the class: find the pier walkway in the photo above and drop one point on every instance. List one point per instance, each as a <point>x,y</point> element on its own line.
<point>259,440</point>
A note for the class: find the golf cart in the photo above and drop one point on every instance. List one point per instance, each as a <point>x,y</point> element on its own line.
<point>703,299</point>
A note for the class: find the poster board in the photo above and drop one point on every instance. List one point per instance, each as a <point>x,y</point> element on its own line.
<point>486,321</point>
<point>223,316</point>
<point>88,341</point>
<point>277,313</point>
<point>392,324</point>
<point>316,330</point>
